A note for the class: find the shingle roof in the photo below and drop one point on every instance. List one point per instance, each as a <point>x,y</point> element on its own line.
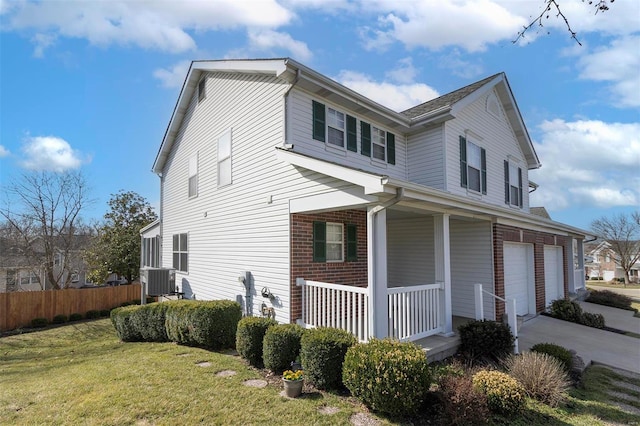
<point>540,211</point>
<point>448,99</point>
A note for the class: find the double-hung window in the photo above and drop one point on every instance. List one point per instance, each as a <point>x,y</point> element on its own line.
<point>329,242</point>
<point>379,143</point>
<point>180,252</point>
<point>224,159</point>
<point>473,166</point>
<point>28,277</point>
<point>512,184</point>
<point>335,127</point>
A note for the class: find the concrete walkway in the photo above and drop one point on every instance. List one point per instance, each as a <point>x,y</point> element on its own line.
<point>614,317</point>
<point>592,344</point>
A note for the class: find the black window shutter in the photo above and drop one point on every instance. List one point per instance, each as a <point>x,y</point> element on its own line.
<point>352,243</point>
<point>352,141</point>
<point>365,138</point>
<point>391,148</point>
<point>520,187</point>
<point>319,242</point>
<point>507,187</point>
<point>483,159</point>
<point>318,121</point>
<point>463,162</point>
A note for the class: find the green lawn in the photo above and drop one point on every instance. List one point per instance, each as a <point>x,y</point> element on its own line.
<point>608,284</point>
<point>82,374</point>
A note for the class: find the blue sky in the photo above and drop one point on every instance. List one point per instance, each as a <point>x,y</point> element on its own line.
<point>91,85</point>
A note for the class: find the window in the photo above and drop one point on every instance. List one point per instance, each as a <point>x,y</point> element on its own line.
<point>202,93</point>
<point>512,184</point>
<point>379,140</point>
<point>28,277</point>
<point>329,242</point>
<point>151,252</point>
<point>224,159</point>
<point>180,253</point>
<point>75,277</point>
<point>57,259</point>
<point>335,127</point>
<point>193,176</point>
<point>473,166</point>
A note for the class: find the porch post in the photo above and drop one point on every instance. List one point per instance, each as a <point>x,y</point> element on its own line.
<point>377,272</point>
<point>580,252</point>
<point>571,267</point>
<point>443,267</point>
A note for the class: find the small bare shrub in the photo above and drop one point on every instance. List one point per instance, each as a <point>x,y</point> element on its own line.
<point>461,403</point>
<point>542,376</point>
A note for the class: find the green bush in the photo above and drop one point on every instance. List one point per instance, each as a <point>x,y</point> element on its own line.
<point>249,338</point>
<point>592,320</point>
<point>39,322</point>
<point>485,340</point>
<point>105,313</point>
<point>281,346</point>
<point>322,352</point>
<point>461,403</point>
<point>208,324</point>
<point>609,298</point>
<point>566,310</point>
<point>60,319</point>
<point>542,376</point>
<point>92,314</point>
<point>121,318</point>
<point>387,376</point>
<point>505,395</point>
<point>563,355</point>
<point>149,320</point>
<point>76,316</point>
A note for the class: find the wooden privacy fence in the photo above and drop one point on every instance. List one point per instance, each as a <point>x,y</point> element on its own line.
<point>17,309</point>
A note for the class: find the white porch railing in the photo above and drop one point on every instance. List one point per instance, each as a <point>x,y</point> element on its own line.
<point>510,306</point>
<point>334,305</point>
<point>414,312</point>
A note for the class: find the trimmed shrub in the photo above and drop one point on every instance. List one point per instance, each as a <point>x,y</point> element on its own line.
<point>609,298</point>
<point>563,355</point>
<point>461,403</point>
<point>281,346</point>
<point>209,324</point>
<point>249,337</point>
<point>542,376</point>
<point>387,376</point>
<point>149,320</point>
<point>39,322</point>
<point>504,394</point>
<point>60,319</point>
<point>92,314</point>
<point>322,352</point>
<point>592,320</point>
<point>76,316</point>
<point>121,318</point>
<point>485,340</point>
<point>566,310</point>
<point>105,313</point>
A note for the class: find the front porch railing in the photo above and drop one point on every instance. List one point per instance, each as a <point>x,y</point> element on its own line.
<point>510,308</point>
<point>415,311</point>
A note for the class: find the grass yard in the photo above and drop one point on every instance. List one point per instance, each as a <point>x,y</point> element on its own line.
<point>82,374</point>
<point>608,284</point>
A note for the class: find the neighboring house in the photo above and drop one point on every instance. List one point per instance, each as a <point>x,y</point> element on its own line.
<point>603,263</point>
<point>333,209</point>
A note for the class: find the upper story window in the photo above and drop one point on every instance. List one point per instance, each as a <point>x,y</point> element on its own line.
<point>57,259</point>
<point>180,252</point>
<point>379,141</point>
<point>193,176</point>
<point>335,127</point>
<point>224,159</point>
<point>513,194</point>
<point>202,89</point>
<point>473,166</point>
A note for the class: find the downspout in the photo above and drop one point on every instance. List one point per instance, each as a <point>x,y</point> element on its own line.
<point>286,143</point>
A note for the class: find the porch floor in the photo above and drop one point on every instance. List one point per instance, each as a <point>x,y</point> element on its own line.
<point>439,347</point>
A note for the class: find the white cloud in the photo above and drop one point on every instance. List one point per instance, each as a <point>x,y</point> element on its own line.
<point>460,67</point>
<point>397,97</point>
<point>50,153</point>
<point>619,64</point>
<point>42,41</point>
<point>173,76</point>
<point>4,152</point>
<point>161,25</point>
<point>268,40</point>
<point>587,163</point>
<point>404,72</point>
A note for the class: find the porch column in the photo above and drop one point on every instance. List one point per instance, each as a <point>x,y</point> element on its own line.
<point>442,259</point>
<point>571,267</point>
<point>377,272</point>
<point>580,252</point>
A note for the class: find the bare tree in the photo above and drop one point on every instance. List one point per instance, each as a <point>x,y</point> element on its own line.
<point>43,212</point>
<point>622,232</point>
<point>552,7</point>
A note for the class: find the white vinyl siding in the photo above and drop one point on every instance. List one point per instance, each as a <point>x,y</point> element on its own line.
<point>499,142</point>
<point>471,263</point>
<point>224,158</point>
<point>425,156</point>
<point>410,251</point>
<point>193,176</point>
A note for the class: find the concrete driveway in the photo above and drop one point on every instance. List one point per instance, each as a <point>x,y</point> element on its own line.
<point>592,344</point>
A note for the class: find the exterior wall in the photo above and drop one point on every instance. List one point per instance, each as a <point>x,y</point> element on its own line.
<point>471,263</point>
<point>410,252</point>
<point>301,125</point>
<point>303,266</point>
<point>497,137</point>
<point>243,226</point>
<point>425,158</point>
<point>504,233</point>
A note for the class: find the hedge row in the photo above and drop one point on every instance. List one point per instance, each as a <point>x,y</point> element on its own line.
<point>208,324</point>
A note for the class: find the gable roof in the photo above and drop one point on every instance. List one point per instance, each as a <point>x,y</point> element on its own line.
<point>540,211</point>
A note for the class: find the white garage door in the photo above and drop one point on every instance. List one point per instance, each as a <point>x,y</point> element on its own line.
<point>553,276</point>
<point>518,275</point>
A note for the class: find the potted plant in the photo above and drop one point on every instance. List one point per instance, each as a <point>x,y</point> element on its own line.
<point>293,381</point>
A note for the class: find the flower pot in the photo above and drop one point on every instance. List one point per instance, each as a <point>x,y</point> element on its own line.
<point>293,388</point>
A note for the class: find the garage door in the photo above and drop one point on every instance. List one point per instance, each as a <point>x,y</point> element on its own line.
<point>518,275</point>
<point>553,275</point>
